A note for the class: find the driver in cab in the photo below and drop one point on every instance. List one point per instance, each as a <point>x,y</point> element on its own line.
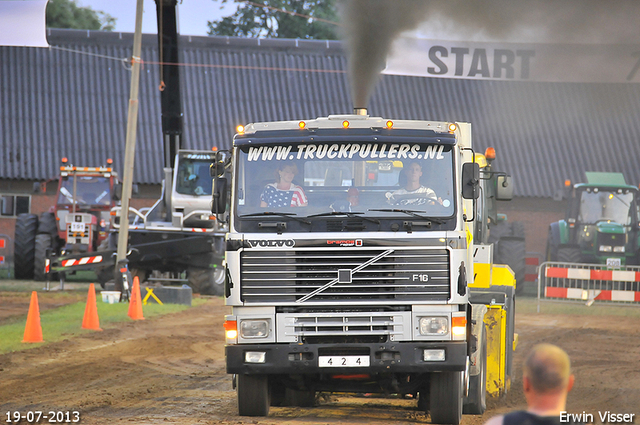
<point>412,191</point>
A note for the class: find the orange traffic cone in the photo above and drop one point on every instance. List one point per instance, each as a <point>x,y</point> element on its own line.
<point>91,320</point>
<point>135,303</point>
<point>33,330</point>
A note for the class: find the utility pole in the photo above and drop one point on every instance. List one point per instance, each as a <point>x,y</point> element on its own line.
<point>130,146</point>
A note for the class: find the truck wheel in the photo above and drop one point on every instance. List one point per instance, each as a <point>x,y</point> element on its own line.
<point>202,281</point>
<point>44,241</point>
<point>446,397</point>
<point>513,252</point>
<point>476,401</point>
<point>299,398</point>
<point>569,255</point>
<point>24,248</point>
<point>253,395</point>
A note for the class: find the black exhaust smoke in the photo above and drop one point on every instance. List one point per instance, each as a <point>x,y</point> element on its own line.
<point>369,28</point>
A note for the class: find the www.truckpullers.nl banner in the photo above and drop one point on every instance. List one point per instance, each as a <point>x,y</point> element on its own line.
<point>580,63</point>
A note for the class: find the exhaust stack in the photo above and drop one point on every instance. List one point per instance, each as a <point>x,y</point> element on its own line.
<point>360,111</point>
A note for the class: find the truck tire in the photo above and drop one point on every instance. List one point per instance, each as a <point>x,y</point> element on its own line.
<point>476,402</point>
<point>446,397</point>
<point>299,398</point>
<point>48,224</point>
<point>203,281</point>
<point>569,254</point>
<point>253,395</point>
<point>24,248</point>
<point>44,241</point>
<point>513,252</point>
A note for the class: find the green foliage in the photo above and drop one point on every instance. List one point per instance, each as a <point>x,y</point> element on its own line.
<point>308,19</point>
<point>67,14</point>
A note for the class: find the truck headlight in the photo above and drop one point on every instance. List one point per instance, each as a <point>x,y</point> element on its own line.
<point>618,249</point>
<point>433,325</point>
<point>605,248</point>
<point>254,328</point>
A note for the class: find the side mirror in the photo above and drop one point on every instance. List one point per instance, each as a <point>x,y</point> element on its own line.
<point>470,179</point>
<point>117,191</point>
<point>504,188</point>
<point>219,204</point>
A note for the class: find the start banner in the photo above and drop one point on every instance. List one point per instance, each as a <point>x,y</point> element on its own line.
<point>580,63</point>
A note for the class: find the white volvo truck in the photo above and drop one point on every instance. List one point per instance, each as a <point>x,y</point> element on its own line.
<point>343,277</point>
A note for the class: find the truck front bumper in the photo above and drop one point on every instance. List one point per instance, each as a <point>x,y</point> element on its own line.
<point>406,357</point>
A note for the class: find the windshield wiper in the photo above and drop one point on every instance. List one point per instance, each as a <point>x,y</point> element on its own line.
<point>279,214</point>
<point>350,214</point>
<point>409,212</point>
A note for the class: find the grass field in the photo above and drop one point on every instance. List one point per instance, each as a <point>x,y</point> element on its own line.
<point>66,321</point>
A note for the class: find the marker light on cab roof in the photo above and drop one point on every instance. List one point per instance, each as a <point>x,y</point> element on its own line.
<point>389,124</point>
<point>240,129</point>
<point>490,153</point>
<point>302,125</point>
<point>345,124</point>
<point>452,127</point>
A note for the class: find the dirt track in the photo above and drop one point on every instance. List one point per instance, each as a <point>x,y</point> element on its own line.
<point>171,370</point>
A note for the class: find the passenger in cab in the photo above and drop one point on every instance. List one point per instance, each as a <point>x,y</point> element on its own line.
<point>284,193</point>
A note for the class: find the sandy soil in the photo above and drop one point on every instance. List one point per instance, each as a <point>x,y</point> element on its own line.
<point>171,370</point>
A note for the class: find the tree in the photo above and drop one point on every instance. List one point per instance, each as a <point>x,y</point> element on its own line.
<point>309,19</point>
<point>67,14</point>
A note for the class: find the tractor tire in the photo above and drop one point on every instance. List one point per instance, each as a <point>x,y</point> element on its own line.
<point>44,241</point>
<point>569,254</point>
<point>202,281</point>
<point>48,225</point>
<point>476,402</point>
<point>513,252</point>
<point>253,395</point>
<point>24,248</point>
<point>104,274</point>
<point>446,395</point>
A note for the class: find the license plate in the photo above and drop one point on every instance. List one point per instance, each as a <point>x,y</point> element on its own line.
<point>77,227</point>
<point>343,361</point>
<point>614,262</point>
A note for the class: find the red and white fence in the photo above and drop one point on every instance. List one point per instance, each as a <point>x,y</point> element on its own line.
<point>588,282</point>
<point>6,253</point>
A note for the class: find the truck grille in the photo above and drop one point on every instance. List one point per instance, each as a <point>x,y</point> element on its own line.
<point>345,327</point>
<point>356,275</point>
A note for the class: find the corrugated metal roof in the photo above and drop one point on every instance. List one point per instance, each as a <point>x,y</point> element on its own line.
<point>57,103</point>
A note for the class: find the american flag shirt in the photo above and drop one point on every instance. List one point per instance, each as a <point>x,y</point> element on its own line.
<point>276,198</point>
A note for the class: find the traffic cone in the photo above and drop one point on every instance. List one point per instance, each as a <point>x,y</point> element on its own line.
<point>91,320</point>
<point>33,330</point>
<point>135,303</point>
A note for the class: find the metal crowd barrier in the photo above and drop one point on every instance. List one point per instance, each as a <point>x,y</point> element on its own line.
<point>6,253</point>
<point>588,283</point>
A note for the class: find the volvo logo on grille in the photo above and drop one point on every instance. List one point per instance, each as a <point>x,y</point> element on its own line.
<point>271,243</point>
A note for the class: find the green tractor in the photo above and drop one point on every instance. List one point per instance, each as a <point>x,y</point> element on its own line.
<point>601,224</point>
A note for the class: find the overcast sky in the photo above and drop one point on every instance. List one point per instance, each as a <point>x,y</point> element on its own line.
<point>192,14</point>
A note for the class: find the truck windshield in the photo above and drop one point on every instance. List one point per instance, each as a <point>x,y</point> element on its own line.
<point>90,190</point>
<point>596,205</point>
<point>194,177</point>
<point>309,180</point>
